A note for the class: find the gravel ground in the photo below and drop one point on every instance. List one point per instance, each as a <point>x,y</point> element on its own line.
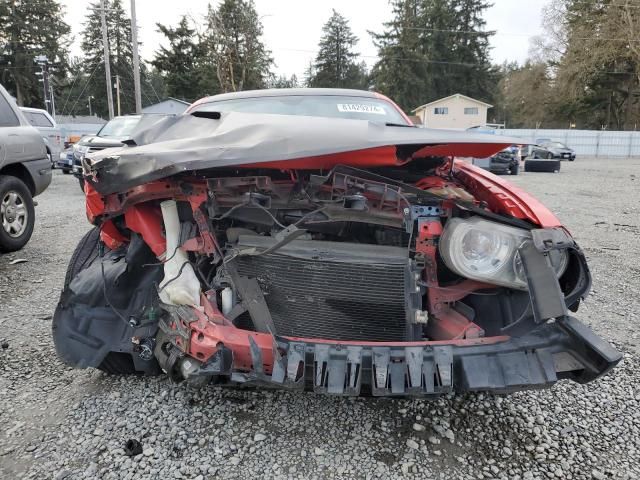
<point>62,423</point>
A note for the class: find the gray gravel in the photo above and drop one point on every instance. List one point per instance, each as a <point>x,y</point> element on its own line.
<point>62,423</point>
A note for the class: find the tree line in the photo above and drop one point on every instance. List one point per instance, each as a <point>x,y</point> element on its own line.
<point>584,72</point>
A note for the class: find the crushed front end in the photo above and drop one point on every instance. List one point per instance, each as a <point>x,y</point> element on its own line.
<point>419,280</point>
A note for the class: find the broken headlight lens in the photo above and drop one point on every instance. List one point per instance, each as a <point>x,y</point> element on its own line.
<point>488,252</point>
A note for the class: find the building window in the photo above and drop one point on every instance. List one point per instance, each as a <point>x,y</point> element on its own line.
<point>471,111</point>
<point>441,111</point>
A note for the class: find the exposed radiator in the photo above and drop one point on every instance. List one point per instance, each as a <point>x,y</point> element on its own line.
<point>332,290</point>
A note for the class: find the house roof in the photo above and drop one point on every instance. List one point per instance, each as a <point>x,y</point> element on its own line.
<point>455,95</point>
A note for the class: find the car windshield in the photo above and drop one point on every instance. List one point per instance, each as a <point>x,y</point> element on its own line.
<point>119,127</point>
<point>332,106</point>
<point>556,145</point>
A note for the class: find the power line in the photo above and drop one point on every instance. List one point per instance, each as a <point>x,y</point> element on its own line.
<point>71,88</point>
<point>83,89</point>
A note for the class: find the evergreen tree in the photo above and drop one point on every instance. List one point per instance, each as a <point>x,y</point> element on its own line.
<point>401,71</point>
<point>475,76</point>
<point>121,57</point>
<point>283,82</point>
<point>233,45</point>
<point>70,98</point>
<point>182,62</point>
<point>434,48</point>
<point>28,29</point>
<point>335,65</point>
<point>597,76</point>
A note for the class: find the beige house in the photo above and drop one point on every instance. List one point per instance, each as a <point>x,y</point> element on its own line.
<point>456,111</point>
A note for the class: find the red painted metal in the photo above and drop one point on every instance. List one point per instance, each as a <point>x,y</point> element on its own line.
<point>94,203</point>
<point>444,322</point>
<point>502,196</point>
<point>480,150</point>
<point>208,335</point>
<point>111,236</point>
<point>370,157</point>
<point>209,243</point>
<point>146,220</point>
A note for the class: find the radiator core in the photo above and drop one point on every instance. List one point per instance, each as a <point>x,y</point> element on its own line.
<point>331,290</point>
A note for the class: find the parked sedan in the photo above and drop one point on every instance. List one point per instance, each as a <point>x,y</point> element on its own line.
<point>550,149</point>
<point>313,239</point>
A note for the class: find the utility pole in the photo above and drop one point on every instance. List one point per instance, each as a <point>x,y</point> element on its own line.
<point>107,66</point>
<point>117,85</point>
<point>136,58</point>
<point>43,63</point>
<point>53,101</point>
<point>90,97</point>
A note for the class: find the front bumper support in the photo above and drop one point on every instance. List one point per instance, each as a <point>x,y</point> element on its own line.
<point>562,349</point>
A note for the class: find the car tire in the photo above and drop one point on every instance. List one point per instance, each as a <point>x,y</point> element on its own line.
<point>542,166</point>
<point>115,363</point>
<point>515,169</point>
<point>81,182</point>
<point>65,171</point>
<point>16,205</point>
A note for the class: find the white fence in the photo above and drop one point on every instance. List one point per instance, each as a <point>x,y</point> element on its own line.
<point>593,143</point>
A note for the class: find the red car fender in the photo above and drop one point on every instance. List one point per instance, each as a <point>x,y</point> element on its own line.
<point>504,197</point>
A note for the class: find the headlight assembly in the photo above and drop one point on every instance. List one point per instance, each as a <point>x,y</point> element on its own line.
<point>487,251</point>
<point>81,148</point>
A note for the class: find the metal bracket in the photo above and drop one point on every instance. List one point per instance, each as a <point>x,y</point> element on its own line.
<point>337,369</point>
<point>547,239</point>
<point>547,299</point>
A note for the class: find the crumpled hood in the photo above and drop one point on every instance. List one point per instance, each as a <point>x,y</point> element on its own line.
<point>190,143</point>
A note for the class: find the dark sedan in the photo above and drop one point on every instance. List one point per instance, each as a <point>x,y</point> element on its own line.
<point>550,149</point>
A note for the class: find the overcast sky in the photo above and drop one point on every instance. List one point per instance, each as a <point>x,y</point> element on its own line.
<point>292,28</point>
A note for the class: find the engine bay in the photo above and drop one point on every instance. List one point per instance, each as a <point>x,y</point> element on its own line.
<point>347,255</point>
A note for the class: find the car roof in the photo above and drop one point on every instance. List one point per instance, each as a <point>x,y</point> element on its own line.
<point>285,92</point>
<point>36,110</point>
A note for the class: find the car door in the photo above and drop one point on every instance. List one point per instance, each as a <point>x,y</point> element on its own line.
<point>46,125</point>
<point>10,143</point>
<point>20,141</point>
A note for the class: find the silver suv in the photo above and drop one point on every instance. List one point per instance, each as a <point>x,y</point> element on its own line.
<point>25,171</point>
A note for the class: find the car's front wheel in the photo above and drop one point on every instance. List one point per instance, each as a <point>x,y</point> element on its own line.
<point>515,168</point>
<point>16,213</point>
<point>116,363</point>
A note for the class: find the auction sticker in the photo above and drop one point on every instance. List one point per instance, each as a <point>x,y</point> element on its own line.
<point>360,108</point>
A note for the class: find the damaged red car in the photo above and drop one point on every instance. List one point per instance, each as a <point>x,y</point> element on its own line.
<point>314,239</point>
